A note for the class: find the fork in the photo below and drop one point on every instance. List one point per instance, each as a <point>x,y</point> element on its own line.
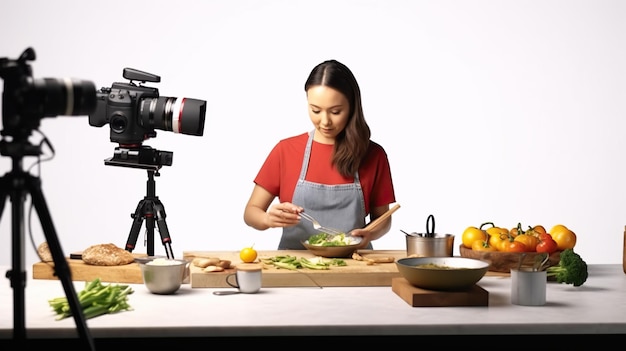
<point>318,226</point>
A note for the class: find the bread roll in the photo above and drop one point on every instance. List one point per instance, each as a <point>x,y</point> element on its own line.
<point>44,252</point>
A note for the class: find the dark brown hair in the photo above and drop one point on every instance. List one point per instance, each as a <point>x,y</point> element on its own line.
<point>352,143</point>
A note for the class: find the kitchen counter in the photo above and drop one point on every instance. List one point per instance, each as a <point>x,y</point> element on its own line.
<point>597,307</point>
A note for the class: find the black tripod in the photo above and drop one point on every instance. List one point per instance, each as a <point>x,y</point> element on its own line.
<point>16,185</point>
<point>150,208</point>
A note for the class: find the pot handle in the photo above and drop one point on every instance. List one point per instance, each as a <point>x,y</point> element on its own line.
<point>430,226</point>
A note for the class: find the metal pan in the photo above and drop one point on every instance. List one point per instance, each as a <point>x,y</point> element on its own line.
<point>429,244</point>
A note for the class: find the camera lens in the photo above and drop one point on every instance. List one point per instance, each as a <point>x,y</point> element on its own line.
<point>178,115</point>
<point>65,97</point>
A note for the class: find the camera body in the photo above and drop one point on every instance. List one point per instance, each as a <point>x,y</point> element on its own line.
<point>25,100</point>
<point>133,111</point>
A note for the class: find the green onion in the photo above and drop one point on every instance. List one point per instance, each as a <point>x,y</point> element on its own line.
<point>95,300</point>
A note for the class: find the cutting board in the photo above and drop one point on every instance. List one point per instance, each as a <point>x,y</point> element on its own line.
<point>416,297</point>
<point>130,273</point>
<point>355,273</point>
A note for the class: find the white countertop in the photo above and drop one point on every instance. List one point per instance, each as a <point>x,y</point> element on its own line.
<point>597,307</point>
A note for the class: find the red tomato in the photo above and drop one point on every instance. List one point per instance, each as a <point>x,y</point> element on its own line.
<point>546,244</point>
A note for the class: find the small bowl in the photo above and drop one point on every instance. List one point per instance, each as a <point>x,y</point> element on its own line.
<point>161,275</point>
<point>331,251</point>
<point>446,273</point>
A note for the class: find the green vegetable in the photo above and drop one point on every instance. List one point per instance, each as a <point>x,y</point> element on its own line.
<point>324,239</point>
<point>95,299</point>
<point>318,239</point>
<point>291,266</point>
<point>286,262</point>
<point>293,263</point>
<point>572,269</point>
<point>338,262</point>
<point>314,263</point>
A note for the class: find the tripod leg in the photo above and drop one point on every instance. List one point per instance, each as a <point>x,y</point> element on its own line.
<point>134,230</point>
<point>61,266</point>
<point>17,275</point>
<point>159,211</point>
<point>3,194</point>
<point>150,233</point>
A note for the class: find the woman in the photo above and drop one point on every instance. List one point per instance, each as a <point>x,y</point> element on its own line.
<point>335,172</point>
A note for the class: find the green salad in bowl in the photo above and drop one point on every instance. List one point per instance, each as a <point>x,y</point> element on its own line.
<point>332,246</point>
<point>324,239</point>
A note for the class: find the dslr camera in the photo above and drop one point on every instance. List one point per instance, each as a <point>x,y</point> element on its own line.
<point>25,101</point>
<point>134,111</point>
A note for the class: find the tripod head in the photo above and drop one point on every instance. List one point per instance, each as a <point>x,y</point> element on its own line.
<point>18,149</point>
<point>140,156</point>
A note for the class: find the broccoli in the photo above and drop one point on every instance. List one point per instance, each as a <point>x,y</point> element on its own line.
<point>572,269</point>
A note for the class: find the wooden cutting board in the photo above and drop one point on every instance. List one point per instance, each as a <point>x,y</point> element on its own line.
<point>355,273</point>
<point>130,273</point>
<point>416,297</point>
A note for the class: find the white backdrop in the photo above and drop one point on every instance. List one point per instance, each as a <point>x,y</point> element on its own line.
<point>502,111</point>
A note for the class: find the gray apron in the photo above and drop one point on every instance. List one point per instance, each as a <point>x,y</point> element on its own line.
<point>338,206</point>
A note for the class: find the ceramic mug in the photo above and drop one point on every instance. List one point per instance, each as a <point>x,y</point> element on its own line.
<point>247,278</point>
<point>528,287</point>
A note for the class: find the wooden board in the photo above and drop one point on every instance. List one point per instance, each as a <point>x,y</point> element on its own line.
<point>355,273</point>
<point>130,273</point>
<point>416,297</point>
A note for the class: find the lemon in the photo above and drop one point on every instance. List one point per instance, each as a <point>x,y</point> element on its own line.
<point>248,254</point>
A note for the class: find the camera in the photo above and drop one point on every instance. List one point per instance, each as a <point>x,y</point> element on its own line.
<point>25,100</point>
<point>133,111</point>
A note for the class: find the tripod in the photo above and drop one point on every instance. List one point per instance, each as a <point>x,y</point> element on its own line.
<point>151,209</point>
<point>16,185</point>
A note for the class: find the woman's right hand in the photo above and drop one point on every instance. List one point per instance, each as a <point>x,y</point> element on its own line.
<point>283,215</point>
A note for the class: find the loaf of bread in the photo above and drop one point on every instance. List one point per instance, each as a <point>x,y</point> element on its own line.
<point>107,255</point>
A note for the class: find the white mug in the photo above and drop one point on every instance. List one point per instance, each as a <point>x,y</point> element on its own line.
<point>247,278</point>
<point>528,287</point>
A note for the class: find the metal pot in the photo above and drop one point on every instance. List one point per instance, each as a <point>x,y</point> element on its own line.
<point>429,244</point>
<point>161,275</point>
<point>436,246</point>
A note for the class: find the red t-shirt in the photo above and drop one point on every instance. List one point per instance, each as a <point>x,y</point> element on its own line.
<point>279,174</point>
